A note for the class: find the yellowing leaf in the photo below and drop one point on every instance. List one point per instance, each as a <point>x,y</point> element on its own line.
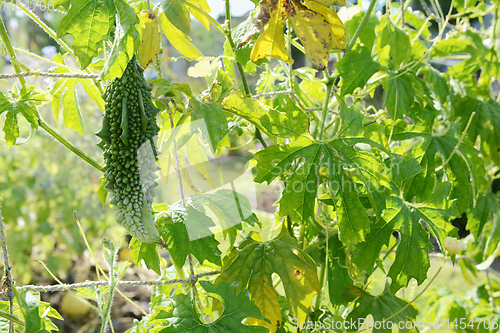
<point>150,42</point>
<point>252,264</point>
<point>179,40</point>
<point>203,5</point>
<point>339,40</point>
<point>317,26</point>
<point>315,34</point>
<point>272,42</point>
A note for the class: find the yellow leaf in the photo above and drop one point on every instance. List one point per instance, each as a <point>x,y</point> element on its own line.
<point>253,262</point>
<point>315,34</point>
<point>339,41</point>
<point>272,42</point>
<point>265,297</point>
<point>203,5</point>
<point>151,37</point>
<point>179,40</point>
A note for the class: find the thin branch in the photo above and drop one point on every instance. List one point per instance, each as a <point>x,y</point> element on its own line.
<point>328,93</point>
<point>69,145</point>
<point>10,51</point>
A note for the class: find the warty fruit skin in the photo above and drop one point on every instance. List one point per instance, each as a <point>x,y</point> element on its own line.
<point>127,140</point>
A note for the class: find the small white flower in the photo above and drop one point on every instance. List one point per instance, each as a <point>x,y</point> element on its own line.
<point>453,245</point>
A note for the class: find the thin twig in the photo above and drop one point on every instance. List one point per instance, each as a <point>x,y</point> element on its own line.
<point>89,284</point>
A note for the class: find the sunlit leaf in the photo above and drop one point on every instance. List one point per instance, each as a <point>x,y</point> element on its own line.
<point>272,42</point>
<point>150,41</point>
<point>89,22</point>
<point>179,40</point>
<point>237,306</point>
<point>252,264</point>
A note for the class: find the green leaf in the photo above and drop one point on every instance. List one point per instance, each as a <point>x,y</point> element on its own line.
<point>25,103</point>
<point>164,87</point>
<point>485,124</point>
<point>465,169</point>
<point>89,22</point>
<point>126,38</point>
<point>355,68</point>
<point>380,307</point>
<point>338,272</point>
<point>186,231</point>
<point>487,204</point>
<point>412,259</point>
<point>367,36</point>
<point>298,199</point>
<point>237,307</point>
<point>145,252</point>
<point>179,40</point>
<point>30,303</point>
<point>11,129</point>
<point>252,264</point>
<point>177,14</point>
<point>289,121</point>
<point>245,107</point>
<point>438,84</point>
<point>454,45</point>
<point>211,121</point>
<point>399,41</point>
<point>400,96</point>
<point>101,192</point>
<point>64,94</point>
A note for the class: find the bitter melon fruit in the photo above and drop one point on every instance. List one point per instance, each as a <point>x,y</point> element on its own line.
<point>127,140</point>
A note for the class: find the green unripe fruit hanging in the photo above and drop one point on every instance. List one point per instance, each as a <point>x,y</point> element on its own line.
<point>128,113</point>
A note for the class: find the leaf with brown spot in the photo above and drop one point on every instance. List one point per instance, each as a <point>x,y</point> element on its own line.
<point>151,37</point>
<point>315,33</point>
<point>252,264</point>
<point>317,26</point>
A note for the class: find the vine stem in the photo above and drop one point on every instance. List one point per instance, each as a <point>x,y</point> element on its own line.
<point>326,101</point>
<point>459,141</point>
<point>361,26</point>
<point>324,272</point>
<point>229,37</point>
<point>423,290</point>
<point>10,51</point>
<point>69,145</point>
<point>8,281</point>
<point>107,310</point>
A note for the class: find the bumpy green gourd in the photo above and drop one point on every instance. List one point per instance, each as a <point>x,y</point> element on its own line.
<point>127,133</point>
